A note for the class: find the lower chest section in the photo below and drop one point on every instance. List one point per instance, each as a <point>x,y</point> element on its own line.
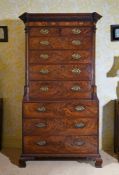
<point>60,127</point>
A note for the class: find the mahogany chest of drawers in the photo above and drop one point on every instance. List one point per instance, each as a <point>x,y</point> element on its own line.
<point>60,105</point>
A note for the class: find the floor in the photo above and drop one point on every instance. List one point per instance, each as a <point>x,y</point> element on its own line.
<point>9,166</point>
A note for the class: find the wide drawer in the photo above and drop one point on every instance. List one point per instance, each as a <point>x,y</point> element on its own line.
<point>59,56</point>
<point>60,144</point>
<point>62,126</point>
<point>59,89</point>
<point>60,43</point>
<point>59,109</point>
<point>60,31</point>
<point>60,72</point>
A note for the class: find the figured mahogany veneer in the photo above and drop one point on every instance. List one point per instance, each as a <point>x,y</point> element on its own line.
<point>59,56</point>
<point>60,31</point>
<point>58,126</point>
<point>59,89</point>
<point>60,105</point>
<point>59,109</point>
<point>60,72</point>
<point>59,43</point>
<point>62,144</point>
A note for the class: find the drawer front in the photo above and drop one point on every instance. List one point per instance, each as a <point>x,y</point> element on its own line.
<point>82,126</point>
<point>60,72</point>
<point>60,31</point>
<point>60,144</point>
<point>59,109</point>
<point>59,56</point>
<point>59,89</point>
<point>60,43</point>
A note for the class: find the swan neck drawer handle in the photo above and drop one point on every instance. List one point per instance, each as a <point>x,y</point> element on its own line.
<point>76,88</point>
<point>41,125</point>
<point>76,31</point>
<point>79,108</point>
<point>44,71</point>
<point>44,89</point>
<point>41,109</point>
<point>45,42</point>
<point>79,143</point>
<point>80,125</point>
<point>76,70</point>
<point>76,56</point>
<point>44,56</point>
<point>76,42</point>
<point>41,143</point>
<point>44,31</point>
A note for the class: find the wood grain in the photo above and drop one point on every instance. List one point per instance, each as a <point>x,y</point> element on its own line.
<point>60,43</point>
<point>60,31</point>
<point>59,126</point>
<point>60,72</point>
<point>60,144</point>
<point>61,109</point>
<point>59,56</point>
<point>59,89</point>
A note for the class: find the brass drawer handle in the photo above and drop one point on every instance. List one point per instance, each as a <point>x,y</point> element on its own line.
<point>44,89</point>
<point>79,143</point>
<point>44,31</point>
<point>41,125</point>
<point>41,143</point>
<point>79,108</point>
<point>76,70</point>
<point>76,56</point>
<point>76,42</point>
<point>44,56</point>
<point>44,71</point>
<point>41,109</point>
<point>76,88</point>
<point>45,42</point>
<point>76,31</point>
<point>80,125</point>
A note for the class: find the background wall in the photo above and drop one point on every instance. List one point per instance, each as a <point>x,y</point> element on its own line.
<point>12,60</point>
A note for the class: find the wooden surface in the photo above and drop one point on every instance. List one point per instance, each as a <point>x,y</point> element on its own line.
<point>59,90</point>
<point>60,31</point>
<point>60,72</point>
<point>60,106</point>
<point>60,126</point>
<point>59,56</point>
<point>61,144</point>
<point>59,43</point>
<point>61,109</point>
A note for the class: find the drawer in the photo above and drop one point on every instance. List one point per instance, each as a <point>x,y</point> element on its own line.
<point>64,126</point>
<point>59,109</point>
<point>59,89</point>
<point>60,31</point>
<point>60,144</point>
<point>59,56</point>
<point>60,72</point>
<point>60,43</point>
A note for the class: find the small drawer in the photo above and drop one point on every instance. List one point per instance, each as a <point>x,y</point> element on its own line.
<point>60,144</point>
<point>60,31</point>
<point>59,56</point>
<point>60,72</point>
<point>59,89</point>
<point>44,31</point>
<point>60,126</point>
<point>60,43</point>
<point>76,31</point>
<point>71,109</point>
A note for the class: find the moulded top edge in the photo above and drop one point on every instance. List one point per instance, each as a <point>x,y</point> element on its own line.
<point>32,17</point>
